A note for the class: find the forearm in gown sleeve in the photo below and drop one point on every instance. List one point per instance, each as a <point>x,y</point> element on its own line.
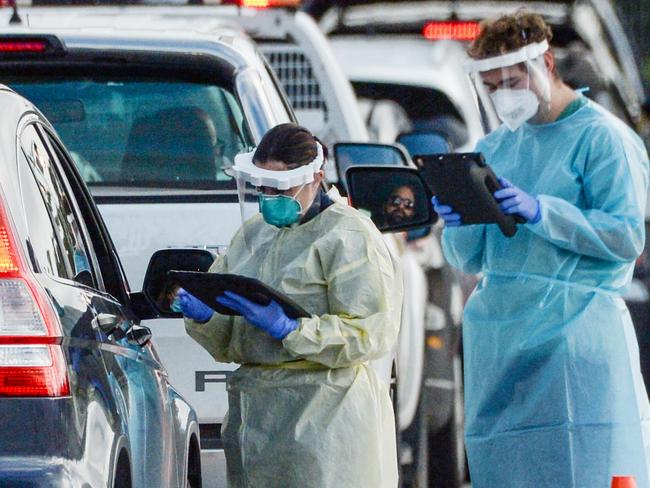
<point>463,247</point>
<point>214,335</point>
<point>612,228</point>
<point>365,299</point>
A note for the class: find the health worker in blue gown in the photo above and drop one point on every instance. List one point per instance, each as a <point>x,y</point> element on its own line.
<point>553,390</point>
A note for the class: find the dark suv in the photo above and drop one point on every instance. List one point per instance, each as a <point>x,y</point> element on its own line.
<point>84,400</point>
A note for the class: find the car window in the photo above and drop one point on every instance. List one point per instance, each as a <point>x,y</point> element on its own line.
<point>55,236</point>
<point>110,275</point>
<point>143,133</point>
<point>426,108</point>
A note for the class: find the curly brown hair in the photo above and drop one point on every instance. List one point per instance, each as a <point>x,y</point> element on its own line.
<point>509,33</point>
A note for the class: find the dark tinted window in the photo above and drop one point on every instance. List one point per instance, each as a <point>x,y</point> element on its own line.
<point>54,230</point>
<point>166,134</point>
<point>99,242</point>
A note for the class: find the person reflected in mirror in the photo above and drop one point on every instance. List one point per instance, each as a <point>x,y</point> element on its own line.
<point>399,207</point>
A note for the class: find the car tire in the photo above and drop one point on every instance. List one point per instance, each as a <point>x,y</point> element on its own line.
<point>122,477</point>
<point>447,465</point>
<point>194,477</point>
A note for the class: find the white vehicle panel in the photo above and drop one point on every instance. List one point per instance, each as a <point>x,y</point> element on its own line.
<point>413,62</point>
<point>138,230</point>
<point>410,355</point>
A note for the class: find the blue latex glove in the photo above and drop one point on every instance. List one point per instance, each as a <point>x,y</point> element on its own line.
<point>270,318</point>
<point>451,218</point>
<point>514,200</point>
<point>191,307</point>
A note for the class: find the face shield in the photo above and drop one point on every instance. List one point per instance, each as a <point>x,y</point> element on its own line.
<point>515,85</point>
<point>274,193</point>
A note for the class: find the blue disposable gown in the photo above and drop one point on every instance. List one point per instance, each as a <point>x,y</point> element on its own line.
<point>553,390</point>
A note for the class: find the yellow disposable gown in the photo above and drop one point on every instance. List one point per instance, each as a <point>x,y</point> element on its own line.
<point>309,411</point>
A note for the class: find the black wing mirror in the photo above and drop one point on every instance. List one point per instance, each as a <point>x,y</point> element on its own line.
<point>349,154</point>
<point>396,199</point>
<point>157,287</point>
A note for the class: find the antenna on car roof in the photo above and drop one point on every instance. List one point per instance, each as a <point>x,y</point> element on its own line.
<point>15,18</point>
<point>454,13</point>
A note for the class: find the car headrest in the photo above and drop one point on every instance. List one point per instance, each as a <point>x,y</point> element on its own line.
<point>171,145</point>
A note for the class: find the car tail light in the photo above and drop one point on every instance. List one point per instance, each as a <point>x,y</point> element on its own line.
<point>28,45</point>
<point>263,3</point>
<point>460,31</point>
<point>33,370</point>
<point>31,357</point>
<point>11,3</point>
<point>23,46</point>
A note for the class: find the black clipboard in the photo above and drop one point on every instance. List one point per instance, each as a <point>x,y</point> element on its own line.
<point>208,286</point>
<point>466,183</point>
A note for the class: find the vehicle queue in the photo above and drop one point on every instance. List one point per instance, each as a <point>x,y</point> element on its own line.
<point>151,175</point>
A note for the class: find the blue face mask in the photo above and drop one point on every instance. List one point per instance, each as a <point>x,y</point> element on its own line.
<point>279,210</point>
<point>176,305</point>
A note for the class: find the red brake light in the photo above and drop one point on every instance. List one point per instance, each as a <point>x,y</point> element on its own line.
<point>23,46</point>
<point>18,45</point>
<point>264,3</point>
<point>459,31</point>
<point>31,359</point>
<point>44,375</point>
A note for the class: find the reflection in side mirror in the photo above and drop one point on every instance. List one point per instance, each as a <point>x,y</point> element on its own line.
<point>158,289</point>
<point>396,199</point>
<point>348,154</point>
<point>424,142</point>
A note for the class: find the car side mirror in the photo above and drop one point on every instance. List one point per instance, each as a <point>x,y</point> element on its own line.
<point>419,143</point>
<point>396,199</point>
<point>158,288</point>
<point>349,154</point>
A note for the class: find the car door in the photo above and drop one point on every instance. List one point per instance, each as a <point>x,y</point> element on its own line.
<point>134,375</point>
<point>63,266</point>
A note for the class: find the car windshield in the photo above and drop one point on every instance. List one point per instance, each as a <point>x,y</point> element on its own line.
<point>143,133</point>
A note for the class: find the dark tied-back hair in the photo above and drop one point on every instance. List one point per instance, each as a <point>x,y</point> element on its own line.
<point>289,143</point>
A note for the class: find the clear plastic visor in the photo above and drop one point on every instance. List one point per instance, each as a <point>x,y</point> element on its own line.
<point>255,182</point>
<point>515,86</point>
<point>245,169</point>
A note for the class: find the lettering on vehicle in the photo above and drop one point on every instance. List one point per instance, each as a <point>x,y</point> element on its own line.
<point>203,377</point>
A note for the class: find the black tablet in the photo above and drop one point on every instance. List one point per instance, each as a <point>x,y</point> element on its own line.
<point>466,183</point>
<point>208,286</point>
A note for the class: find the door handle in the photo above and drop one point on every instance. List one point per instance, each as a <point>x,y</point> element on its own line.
<point>109,324</point>
<point>138,335</point>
